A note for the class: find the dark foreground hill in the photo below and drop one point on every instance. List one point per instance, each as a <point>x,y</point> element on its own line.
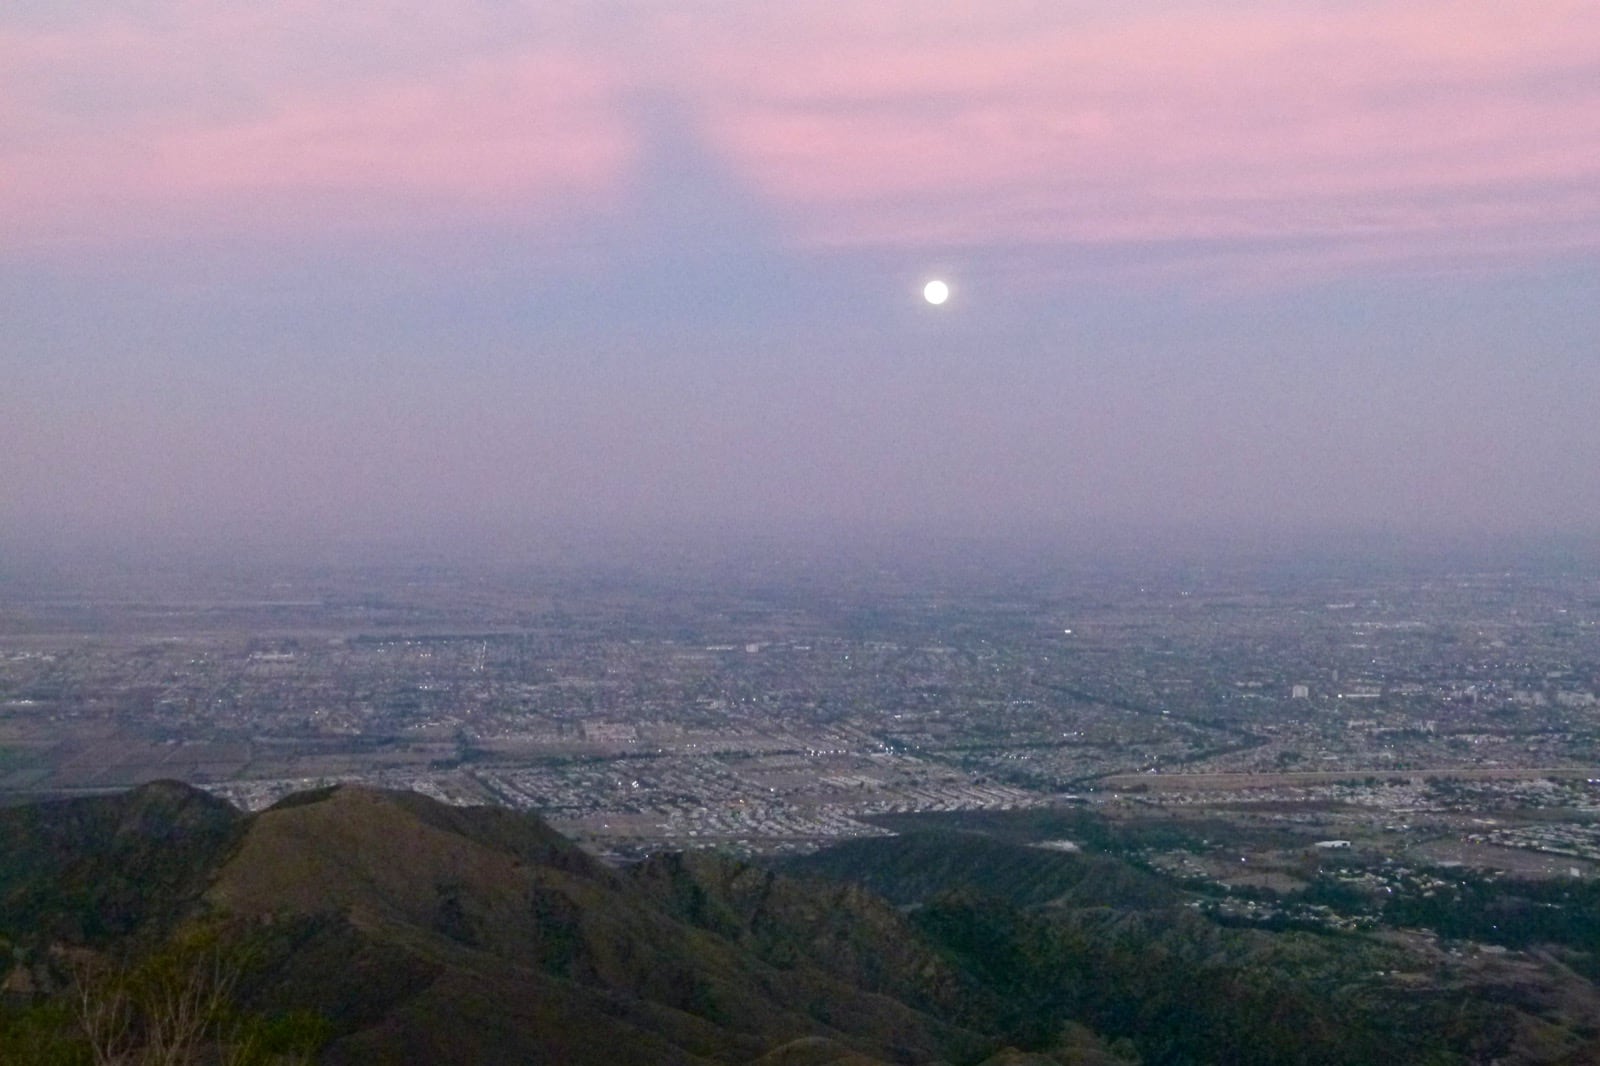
<point>350,925</point>
<point>422,933</point>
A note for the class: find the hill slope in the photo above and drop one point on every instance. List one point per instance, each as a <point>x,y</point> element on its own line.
<point>913,867</point>
<point>431,933</point>
<point>95,869</point>
<point>419,932</point>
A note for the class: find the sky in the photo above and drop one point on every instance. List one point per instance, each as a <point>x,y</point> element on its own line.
<point>467,271</point>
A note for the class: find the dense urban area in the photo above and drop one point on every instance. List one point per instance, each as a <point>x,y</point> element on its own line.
<point>1439,714</point>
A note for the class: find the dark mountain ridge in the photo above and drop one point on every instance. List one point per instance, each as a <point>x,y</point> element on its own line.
<point>433,933</point>
<point>94,870</point>
<point>411,931</point>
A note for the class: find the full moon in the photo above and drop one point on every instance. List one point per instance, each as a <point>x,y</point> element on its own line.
<point>936,292</point>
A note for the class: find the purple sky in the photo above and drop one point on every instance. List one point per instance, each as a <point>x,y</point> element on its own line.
<point>298,271</point>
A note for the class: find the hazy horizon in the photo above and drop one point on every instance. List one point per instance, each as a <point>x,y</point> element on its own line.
<point>744,563</point>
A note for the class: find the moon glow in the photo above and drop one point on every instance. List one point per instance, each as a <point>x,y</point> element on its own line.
<point>936,292</point>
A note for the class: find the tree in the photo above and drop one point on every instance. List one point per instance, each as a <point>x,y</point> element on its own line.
<point>176,1007</point>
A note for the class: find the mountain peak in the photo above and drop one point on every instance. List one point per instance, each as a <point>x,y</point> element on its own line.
<point>386,851</point>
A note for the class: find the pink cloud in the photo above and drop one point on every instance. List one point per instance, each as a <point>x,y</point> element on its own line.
<point>1399,131</point>
<point>134,131</point>
<point>496,137</point>
<point>1433,120</point>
